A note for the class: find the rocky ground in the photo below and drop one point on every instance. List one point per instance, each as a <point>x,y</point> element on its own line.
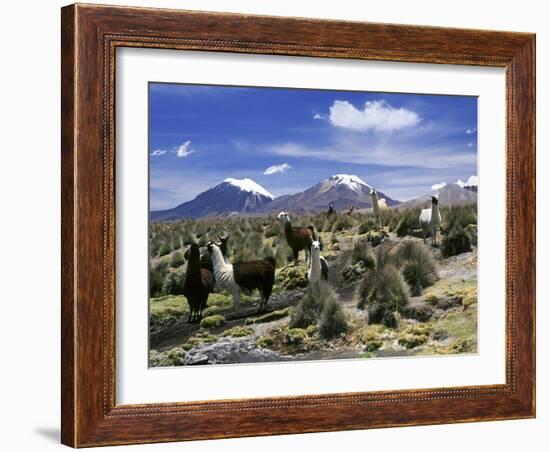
<point>443,320</point>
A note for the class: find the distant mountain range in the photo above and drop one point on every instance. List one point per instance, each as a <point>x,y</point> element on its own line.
<point>244,196</point>
<point>449,195</point>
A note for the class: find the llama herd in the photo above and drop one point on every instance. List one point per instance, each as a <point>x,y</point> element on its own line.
<point>211,271</point>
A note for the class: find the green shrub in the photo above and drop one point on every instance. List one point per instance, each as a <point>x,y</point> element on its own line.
<point>177,259</point>
<point>272,230</point>
<point>417,264</point>
<point>165,249</point>
<point>412,340</point>
<point>156,281</point>
<point>458,215</point>
<point>173,283</point>
<point>455,242</point>
<point>213,321</point>
<point>333,320</point>
<point>343,223</point>
<point>384,293</point>
<point>471,230</point>
<point>408,222</point>
<point>362,252</point>
<point>265,341</point>
<point>306,312</point>
<point>238,331</point>
<point>322,309</point>
<point>295,336</point>
<point>173,357</point>
<point>368,225</point>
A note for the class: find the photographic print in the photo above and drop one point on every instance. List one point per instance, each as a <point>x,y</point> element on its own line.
<point>294,224</point>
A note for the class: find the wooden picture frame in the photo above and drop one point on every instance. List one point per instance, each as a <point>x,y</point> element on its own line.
<point>90,36</point>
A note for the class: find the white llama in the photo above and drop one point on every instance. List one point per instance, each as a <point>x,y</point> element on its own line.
<point>379,207</point>
<point>318,268</point>
<point>430,219</point>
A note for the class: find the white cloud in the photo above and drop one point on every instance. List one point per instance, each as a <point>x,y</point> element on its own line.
<point>471,131</point>
<point>376,115</point>
<point>438,186</point>
<point>158,152</point>
<point>183,150</point>
<point>319,116</point>
<point>277,169</point>
<point>472,180</point>
<point>383,153</point>
<point>470,144</point>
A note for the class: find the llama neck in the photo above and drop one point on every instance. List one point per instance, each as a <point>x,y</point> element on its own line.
<point>288,229</point>
<point>375,205</point>
<point>315,265</point>
<point>435,213</point>
<point>193,266</point>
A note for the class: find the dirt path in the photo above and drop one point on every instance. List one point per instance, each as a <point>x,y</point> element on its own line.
<point>180,331</point>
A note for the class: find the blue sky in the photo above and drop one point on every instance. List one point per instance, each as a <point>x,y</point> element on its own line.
<point>290,139</point>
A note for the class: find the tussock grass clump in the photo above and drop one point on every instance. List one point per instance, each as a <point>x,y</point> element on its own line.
<point>412,340</point>
<point>238,331</point>
<point>369,224</point>
<point>362,252</point>
<point>458,215</point>
<point>177,259</point>
<point>306,313</point>
<point>333,320</point>
<point>213,321</point>
<point>417,264</point>
<point>272,230</point>
<point>173,357</point>
<point>457,241</point>
<point>408,222</point>
<point>343,223</point>
<point>383,290</point>
<point>265,341</point>
<point>322,310</point>
<point>173,283</point>
<point>384,293</point>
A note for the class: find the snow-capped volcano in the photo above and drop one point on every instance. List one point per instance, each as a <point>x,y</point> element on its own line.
<point>249,185</point>
<point>349,180</point>
<point>342,190</point>
<point>230,195</point>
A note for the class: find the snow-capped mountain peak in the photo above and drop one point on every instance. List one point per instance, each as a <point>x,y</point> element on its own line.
<point>351,181</point>
<point>249,185</point>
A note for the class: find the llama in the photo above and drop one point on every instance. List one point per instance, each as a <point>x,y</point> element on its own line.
<point>197,285</point>
<point>206,260</point>
<point>318,268</point>
<point>379,207</point>
<point>331,213</point>
<point>350,210</point>
<point>430,219</point>
<point>247,276</point>
<point>298,238</point>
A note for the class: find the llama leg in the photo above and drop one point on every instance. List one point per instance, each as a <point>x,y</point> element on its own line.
<point>237,299</point>
<point>295,252</point>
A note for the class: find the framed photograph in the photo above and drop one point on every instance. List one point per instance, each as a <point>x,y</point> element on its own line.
<point>282,225</point>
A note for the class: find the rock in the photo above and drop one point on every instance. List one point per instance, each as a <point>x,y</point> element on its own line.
<point>196,359</point>
<point>228,351</point>
<point>440,335</point>
<point>419,311</point>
